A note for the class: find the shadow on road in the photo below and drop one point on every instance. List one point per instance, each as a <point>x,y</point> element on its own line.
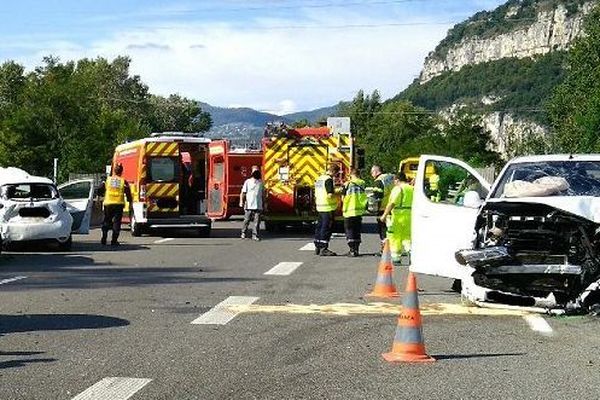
<point>21,363</point>
<point>56,322</point>
<point>464,356</point>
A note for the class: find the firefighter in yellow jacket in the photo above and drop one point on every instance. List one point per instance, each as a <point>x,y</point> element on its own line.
<point>116,190</point>
<point>354,207</point>
<point>398,216</point>
<point>326,200</point>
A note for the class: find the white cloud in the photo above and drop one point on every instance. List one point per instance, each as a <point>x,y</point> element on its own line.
<point>268,68</point>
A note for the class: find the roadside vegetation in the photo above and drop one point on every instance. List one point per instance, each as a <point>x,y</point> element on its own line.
<point>79,111</point>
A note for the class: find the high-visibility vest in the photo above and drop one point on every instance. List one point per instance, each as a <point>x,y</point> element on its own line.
<point>406,200</point>
<point>434,182</point>
<point>355,199</point>
<point>388,182</point>
<point>325,202</point>
<point>115,191</point>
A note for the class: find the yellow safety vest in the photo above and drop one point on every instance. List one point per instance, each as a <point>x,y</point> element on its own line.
<point>324,202</point>
<point>115,191</point>
<point>388,182</point>
<point>355,199</point>
<point>406,198</point>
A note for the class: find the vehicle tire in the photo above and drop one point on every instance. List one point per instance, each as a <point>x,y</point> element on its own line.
<point>271,226</point>
<point>137,230</point>
<point>204,232</point>
<point>66,246</point>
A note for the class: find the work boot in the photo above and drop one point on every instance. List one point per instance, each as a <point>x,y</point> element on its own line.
<point>327,253</point>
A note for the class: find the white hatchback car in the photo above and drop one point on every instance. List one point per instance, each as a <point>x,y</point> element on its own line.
<point>33,209</point>
<point>532,239</point>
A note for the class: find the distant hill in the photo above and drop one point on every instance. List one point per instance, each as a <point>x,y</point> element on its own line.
<point>314,115</point>
<point>247,125</point>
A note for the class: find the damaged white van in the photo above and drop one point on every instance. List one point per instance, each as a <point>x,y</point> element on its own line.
<point>33,210</point>
<point>531,240</point>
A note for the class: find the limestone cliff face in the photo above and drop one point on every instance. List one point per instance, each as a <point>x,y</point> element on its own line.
<point>506,130</point>
<point>551,30</point>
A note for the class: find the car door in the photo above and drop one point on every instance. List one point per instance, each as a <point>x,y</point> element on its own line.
<point>79,196</point>
<point>443,218</point>
<point>217,179</point>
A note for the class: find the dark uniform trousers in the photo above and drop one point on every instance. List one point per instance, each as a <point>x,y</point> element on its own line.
<point>352,226</point>
<point>381,227</point>
<point>113,213</point>
<point>324,229</point>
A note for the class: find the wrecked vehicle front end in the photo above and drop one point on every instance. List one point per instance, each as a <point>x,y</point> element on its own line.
<point>533,255</point>
<point>537,236</point>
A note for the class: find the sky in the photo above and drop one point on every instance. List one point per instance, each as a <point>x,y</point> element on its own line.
<point>278,56</point>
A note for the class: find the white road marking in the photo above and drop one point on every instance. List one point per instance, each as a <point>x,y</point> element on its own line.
<point>164,240</point>
<point>113,389</point>
<point>283,268</point>
<point>537,323</point>
<point>308,247</point>
<point>16,278</point>
<point>221,314</point>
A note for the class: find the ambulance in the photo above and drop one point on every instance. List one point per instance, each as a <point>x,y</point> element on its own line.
<point>229,167</point>
<point>168,175</point>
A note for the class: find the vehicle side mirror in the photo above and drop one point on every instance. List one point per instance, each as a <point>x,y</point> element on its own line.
<point>472,200</point>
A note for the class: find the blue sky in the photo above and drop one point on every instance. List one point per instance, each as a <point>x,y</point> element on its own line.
<point>278,56</point>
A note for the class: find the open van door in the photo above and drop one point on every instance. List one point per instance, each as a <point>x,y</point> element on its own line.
<point>447,196</point>
<point>217,179</point>
<point>79,196</point>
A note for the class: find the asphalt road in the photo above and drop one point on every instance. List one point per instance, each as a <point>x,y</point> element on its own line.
<point>70,320</point>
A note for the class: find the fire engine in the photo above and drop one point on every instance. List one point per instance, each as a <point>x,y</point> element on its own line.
<point>228,168</point>
<point>293,159</point>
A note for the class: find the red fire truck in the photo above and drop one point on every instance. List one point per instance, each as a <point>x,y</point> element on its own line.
<point>293,159</point>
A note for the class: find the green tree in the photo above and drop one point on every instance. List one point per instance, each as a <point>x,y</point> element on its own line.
<point>79,111</point>
<point>575,106</point>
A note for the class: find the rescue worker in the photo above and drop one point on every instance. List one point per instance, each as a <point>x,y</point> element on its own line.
<point>381,192</point>
<point>354,207</point>
<point>251,200</point>
<point>326,202</point>
<point>434,188</point>
<point>115,192</point>
<point>397,215</point>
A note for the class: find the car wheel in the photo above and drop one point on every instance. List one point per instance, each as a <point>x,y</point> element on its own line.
<point>66,246</point>
<point>137,230</point>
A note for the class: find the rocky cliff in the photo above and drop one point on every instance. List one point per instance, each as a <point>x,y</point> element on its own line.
<point>540,28</point>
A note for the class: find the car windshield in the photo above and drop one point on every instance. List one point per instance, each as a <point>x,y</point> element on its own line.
<point>28,191</point>
<point>550,178</point>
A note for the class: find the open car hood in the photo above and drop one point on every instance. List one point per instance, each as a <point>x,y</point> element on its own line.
<point>587,207</point>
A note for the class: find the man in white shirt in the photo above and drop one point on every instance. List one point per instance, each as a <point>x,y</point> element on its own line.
<point>251,199</point>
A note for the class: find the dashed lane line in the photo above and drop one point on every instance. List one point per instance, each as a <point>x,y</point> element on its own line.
<point>164,240</point>
<point>538,324</point>
<point>113,389</point>
<point>16,278</point>
<point>283,268</point>
<point>221,314</point>
<point>308,247</point>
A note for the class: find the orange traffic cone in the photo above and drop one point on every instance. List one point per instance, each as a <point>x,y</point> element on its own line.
<point>384,284</point>
<point>408,343</point>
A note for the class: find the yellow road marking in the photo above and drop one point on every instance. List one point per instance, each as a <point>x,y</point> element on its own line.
<point>348,309</point>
